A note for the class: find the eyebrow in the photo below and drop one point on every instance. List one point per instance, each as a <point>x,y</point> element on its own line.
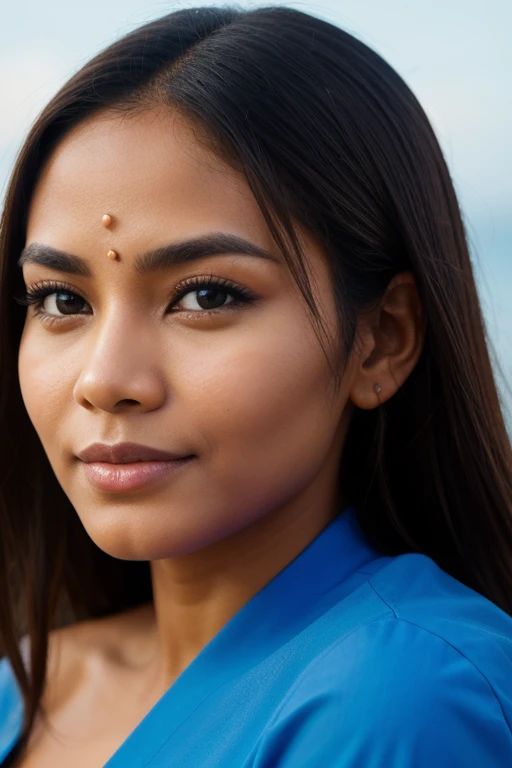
<point>215,244</point>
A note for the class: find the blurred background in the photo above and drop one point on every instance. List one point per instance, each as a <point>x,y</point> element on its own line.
<point>455,55</point>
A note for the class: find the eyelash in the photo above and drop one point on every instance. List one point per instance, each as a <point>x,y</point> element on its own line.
<point>36,295</point>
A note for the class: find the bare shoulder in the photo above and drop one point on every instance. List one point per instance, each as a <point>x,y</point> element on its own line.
<point>91,665</point>
<point>77,650</point>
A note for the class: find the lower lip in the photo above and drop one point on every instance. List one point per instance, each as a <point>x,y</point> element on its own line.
<point>118,478</point>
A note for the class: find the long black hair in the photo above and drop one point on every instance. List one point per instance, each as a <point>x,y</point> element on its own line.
<point>329,135</point>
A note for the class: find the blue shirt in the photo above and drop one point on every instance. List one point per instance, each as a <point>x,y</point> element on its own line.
<point>346,659</point>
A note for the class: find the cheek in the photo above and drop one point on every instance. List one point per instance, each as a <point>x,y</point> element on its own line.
<point>261,403</point>
<point>44,385</point>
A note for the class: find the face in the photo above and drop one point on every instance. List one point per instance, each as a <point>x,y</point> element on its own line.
<point>231,375</point>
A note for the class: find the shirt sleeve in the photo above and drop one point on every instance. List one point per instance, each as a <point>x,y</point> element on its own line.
<point>391,695</point>
<point>11,709</point>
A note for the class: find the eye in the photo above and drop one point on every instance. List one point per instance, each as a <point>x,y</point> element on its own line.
<point>51,298</point>
<point>198,295</point>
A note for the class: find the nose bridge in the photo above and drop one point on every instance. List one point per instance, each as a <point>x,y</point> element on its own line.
<point>121,362</point>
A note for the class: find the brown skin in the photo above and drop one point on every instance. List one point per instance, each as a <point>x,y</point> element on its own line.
<point>244,390</point>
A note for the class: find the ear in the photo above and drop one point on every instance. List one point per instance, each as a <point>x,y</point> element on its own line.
<point>389,340</point>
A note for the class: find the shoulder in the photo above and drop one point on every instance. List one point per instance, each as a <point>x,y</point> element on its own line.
<point>63,646</point>
<point>72,651</point>
<point>420,594</point>
<point>11,709</point>
<point>429,682</point>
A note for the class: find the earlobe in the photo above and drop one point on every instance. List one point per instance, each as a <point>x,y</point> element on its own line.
<point>364,396</point>
<point>392,342</point>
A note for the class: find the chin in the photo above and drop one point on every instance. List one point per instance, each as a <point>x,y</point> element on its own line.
<point>130,540</point>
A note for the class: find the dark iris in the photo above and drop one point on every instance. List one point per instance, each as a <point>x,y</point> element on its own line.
<point>219,297</point>
<point>71,300</point>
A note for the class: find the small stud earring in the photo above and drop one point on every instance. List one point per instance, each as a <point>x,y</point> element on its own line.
<point>377,388</point>
<point>106,220</point>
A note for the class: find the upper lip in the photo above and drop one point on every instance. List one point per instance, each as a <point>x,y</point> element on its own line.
<point>123,453</point>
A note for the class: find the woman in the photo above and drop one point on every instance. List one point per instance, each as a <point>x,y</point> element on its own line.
<point>256,487</point>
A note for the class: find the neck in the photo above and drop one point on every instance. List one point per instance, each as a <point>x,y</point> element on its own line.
<point>196,594</point>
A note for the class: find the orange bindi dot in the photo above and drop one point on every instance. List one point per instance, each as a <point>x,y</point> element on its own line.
<point>106,220</point>
<point>112,255</point>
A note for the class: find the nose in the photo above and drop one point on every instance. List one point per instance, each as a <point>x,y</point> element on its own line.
<point>122,368</point>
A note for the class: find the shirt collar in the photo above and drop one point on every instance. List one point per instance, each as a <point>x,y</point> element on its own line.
<point>312,583</point>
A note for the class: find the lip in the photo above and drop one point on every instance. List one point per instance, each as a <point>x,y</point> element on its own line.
<point>125,453</point>
<point>120,478</point>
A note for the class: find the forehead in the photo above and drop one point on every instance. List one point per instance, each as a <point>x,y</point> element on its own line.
<point>147,169</point>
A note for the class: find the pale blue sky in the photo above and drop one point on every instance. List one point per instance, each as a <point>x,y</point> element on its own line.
<point>454,54</point>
